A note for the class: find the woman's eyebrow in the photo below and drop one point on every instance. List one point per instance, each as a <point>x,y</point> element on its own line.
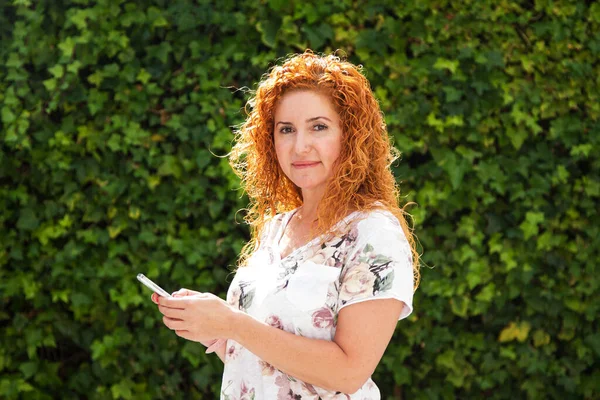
<point>308,120</point>
<point>316,118</point>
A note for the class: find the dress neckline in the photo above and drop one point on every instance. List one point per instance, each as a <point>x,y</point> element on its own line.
<point>284,223</point>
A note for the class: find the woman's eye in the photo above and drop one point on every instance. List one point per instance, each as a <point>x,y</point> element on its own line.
<point>320,127</point>
<point>286,129</point>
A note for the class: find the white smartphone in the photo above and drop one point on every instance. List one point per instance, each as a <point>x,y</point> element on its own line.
<point>152,286</point>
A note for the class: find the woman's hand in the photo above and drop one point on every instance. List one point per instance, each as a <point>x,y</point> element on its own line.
<point>185,292</point>
<point>196,316</point>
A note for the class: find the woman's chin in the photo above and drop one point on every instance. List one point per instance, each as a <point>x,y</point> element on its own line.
<point>310,187</point>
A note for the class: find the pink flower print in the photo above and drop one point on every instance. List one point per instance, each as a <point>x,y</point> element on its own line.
<point>323,318</point>
<point>318,258</point>
<point>284,393</point>
<point>232,352</point>
<point>274,321</point>
<point>303,390</point>
<point>293,389</point>
<point>334,261</point>
<point>246,393</point>
<point>234,300</point>
<point>352,234</point>
<point>266,368</point>
<point>323,255</point>
<point>357,282</point>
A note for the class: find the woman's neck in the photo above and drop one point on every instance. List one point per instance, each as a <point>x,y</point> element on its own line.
<point>310,205</point>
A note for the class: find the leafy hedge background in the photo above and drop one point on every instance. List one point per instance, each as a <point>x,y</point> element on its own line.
<point>110,113</point>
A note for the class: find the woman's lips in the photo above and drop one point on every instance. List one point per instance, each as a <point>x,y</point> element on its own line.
<point>305,164</point>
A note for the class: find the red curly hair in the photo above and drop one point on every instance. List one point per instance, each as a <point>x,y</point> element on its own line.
<point>362,177</point>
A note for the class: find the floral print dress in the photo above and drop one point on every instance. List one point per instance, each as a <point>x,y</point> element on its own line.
<point>304,292</point>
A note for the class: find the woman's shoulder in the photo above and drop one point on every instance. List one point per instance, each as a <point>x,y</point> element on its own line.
<point>380,231</point>
<point>378,219</point>
<point>378,227</point>
<point>273,223</point>
<point>279,218</point>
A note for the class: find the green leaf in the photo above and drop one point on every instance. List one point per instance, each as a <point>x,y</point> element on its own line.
<point>487,294</point>
<point>50,84</point>
<point>8,117</point>
<point>74,66</point>
<point>581,149</point>
<point>443,63</point>
<point>58,71</point>
<point>593,341</point>
<point>193,352</point>
<point>14,61</point>
<point>160,52</point>
<point>268,30</point>
<point>277,5</point>
<point>29,369</point>
<point>170,166</point>
<point>27,220</point>
<point>96,78</point>
<point>540,338</point>
<point>96,100</point>
<point>460,306</point>
<point>516,136</point>
<point>515,331</point>
<point>385,283</point>
<point>123,389</point>
<point>155,15</point>
<point>143,76</point>
<point>447,359</point>
<point>452,94</point>
<point>114,231</point>
<point>67,46</point>
<point>78,18</point>
<point>318,35</point>
<point>530,225</point>
<point>80,300</point>
<point>455,165</point>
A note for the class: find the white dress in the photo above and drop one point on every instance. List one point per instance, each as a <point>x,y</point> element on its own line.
<point>304,292</point>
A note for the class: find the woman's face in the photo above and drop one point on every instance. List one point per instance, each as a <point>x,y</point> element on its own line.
<point>308,139</point>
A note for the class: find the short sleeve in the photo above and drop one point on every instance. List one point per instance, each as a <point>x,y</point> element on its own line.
<point>380,265</point>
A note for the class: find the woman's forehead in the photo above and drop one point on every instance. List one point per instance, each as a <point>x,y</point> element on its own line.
<point>301,103</point>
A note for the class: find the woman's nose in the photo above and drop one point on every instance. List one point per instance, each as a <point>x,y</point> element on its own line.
<point>302,144</point>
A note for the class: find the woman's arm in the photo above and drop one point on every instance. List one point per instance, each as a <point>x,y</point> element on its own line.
<point>362,335</point>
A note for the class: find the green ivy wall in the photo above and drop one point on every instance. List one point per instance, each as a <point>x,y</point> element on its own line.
<point>112,112</point>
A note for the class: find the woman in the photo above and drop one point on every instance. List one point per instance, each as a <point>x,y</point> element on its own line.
<point>327,236</point>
